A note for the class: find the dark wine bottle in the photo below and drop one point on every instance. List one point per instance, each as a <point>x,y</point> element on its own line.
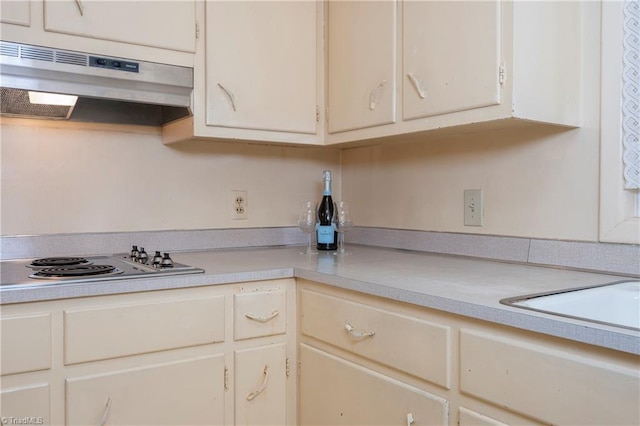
<point>326,232</point>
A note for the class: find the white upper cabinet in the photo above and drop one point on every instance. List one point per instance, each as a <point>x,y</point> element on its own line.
<point>16,12</point>
<point>361,64</point>
<point>326,72</point>
<point>451,57</point>
<point>462,66</point>
<point>154,30</point>
<point>163,24</point>
<point>256,74</point>
<point>261,65</point>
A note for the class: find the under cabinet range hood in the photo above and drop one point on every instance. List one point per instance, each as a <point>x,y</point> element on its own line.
<point>99,88</point>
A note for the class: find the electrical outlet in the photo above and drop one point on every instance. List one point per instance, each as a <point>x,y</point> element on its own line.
<point>239,204</point>
<point>473,207</point>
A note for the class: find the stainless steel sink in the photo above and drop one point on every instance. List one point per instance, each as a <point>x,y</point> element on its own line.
<point>616,303</point>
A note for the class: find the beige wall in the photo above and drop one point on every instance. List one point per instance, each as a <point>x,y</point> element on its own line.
<point>66,178</point>
<point>59,178</point>
<point>535,183</point>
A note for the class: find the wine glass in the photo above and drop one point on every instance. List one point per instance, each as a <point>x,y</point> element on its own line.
<point>343,224</point>
<point>307,223</point>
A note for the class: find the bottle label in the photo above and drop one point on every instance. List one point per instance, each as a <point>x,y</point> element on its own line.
<point>325,234</point>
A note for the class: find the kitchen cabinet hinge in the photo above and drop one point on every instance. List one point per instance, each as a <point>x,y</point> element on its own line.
<point>501,74</point>
<point>197,30</point>
<point>288,367</point>
<point>326,114</point>
<point>299,367</point>
<point>317,114</point>
<point>226,378</point>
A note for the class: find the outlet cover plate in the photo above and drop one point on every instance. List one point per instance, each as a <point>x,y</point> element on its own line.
<point>239,204</point>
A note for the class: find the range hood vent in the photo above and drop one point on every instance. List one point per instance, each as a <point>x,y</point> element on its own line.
<point>109,90</point>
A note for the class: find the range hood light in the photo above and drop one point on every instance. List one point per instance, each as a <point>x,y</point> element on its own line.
<point>42,98</point>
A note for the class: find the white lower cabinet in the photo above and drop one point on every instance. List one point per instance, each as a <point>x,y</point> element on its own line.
<point>163,357</point>
<point>264,388</point>
<point>261,385</point>
<point>30,401</point>
<point>188,391</point>
<point>549,383</point>
<point>334,391</point>
<point>228,354</point>
<point>25,366</point>
<point>361,363</point>
<point>391,365</point>
<point>468,417</point>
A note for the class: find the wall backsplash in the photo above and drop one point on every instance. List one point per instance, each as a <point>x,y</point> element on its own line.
<point>75,178</point>
<point>540,183</point>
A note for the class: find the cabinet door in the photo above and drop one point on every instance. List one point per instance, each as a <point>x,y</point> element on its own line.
<point>16,12</point>
<point>163,24</point>
<point>334,391</point>
<point>451,56</point>
<point>261,385</point>
<point>28,404</point>
<point>189,392</point>
<point>261,65</point>
<point>362,63</point>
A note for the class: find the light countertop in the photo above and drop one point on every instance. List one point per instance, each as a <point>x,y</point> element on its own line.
<point>458,285</point>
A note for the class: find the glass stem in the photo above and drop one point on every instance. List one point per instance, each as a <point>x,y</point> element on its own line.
<point>309,243</point>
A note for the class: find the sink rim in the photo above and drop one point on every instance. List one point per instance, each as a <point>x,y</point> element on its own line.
<point>511,301</point>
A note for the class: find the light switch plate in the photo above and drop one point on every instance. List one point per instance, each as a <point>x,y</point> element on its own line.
<point>473,207</point>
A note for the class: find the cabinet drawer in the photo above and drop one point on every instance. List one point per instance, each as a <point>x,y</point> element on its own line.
<point>546,383</point>
<point>189,392</point>
<point>26,343</point>
<point>258,314</point>
<point>425,354</point>
<point>109,332</point>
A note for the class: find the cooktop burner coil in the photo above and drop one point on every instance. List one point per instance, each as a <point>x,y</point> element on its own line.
<point>77,271</point>
<point>60,261</point>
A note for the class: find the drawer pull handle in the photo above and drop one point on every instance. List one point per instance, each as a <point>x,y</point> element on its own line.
<point>373,97</point>
<point>410,419</point>
<point>229,95</point>
<point>416,84</point>
<point>263,385</point>
<point>105,413</point>
<point>259,318</point>
<point>357,334</point>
